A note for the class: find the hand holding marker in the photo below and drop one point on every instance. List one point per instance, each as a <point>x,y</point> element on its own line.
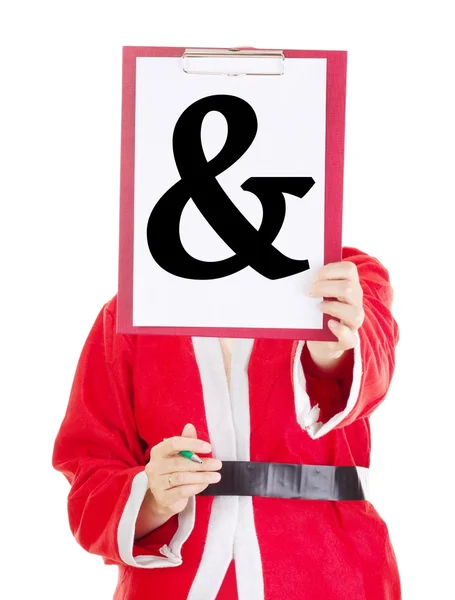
<point>191,455</point>
<point>173,480</point>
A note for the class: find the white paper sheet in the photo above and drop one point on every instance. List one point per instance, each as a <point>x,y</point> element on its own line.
<point>291,112</point>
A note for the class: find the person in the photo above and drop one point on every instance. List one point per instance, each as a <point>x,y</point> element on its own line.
<point>279,507</point>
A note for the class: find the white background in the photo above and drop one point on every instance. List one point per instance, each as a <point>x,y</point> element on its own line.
<point>59,187</point>
<point>290,142</point>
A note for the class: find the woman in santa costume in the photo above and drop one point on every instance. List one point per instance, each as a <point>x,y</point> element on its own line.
<point>279,507</point>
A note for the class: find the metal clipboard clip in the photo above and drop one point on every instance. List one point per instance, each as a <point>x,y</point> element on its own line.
<point>233,61</point>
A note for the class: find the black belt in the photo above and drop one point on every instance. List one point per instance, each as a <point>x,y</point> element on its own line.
<point>280,480</point>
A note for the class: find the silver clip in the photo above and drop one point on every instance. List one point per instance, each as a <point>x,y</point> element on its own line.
<point>253,62</point>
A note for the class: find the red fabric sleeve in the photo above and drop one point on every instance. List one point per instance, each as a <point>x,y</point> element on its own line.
<point>98,448</point>
<point>328,390</point>
<point>365,376</point>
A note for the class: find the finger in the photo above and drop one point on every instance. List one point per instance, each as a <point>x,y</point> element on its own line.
<point>188,478</point>
<point>183,491</point>
<point>343,289</point>
<point>352,316</point>
<point>189,431</point>
<point>344,269</point>
<point>347,339</point>
<point>332,349</point>
<point>178,463</point>
<point>173,464</point>
<point>176,444</point>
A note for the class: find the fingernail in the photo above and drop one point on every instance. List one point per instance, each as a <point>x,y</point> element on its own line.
<point>333,323</point>
<point>206,447</point>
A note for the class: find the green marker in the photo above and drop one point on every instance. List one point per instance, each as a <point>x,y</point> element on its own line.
<point>194,457</point>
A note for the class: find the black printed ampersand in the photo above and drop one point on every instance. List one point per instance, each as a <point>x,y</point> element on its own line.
<point>198,182</point>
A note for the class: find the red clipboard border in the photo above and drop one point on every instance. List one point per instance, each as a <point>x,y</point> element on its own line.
<point>335,136</point>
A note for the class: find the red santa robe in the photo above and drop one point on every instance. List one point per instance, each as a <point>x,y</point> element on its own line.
<point>130,392</point>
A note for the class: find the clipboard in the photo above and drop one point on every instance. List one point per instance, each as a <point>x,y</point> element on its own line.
<point>234,65</point>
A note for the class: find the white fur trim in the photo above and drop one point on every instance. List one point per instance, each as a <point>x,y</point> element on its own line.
<point>219,544</point>
<point>364,476</point>
<point>218,550</point>
<point>231,532</point>
<point>307,416</point>
<point>247,555</point>
<point>125,533</point>
<point>240,396</point>
<point>216,397</point>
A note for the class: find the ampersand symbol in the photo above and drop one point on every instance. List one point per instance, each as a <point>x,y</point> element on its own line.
<point>198,182</point>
